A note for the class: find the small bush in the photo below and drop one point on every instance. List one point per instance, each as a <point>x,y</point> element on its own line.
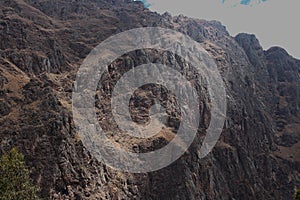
<point>15,183</point>
<point>297,194</point>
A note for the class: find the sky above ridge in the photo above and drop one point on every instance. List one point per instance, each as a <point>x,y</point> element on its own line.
<point>274,22</point>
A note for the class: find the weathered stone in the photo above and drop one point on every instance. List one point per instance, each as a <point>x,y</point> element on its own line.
<point>42,45</point>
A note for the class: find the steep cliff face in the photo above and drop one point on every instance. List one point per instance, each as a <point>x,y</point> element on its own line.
<point>42,45</point>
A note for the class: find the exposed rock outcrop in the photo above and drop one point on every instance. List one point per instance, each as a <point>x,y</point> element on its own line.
<point>42,44</point>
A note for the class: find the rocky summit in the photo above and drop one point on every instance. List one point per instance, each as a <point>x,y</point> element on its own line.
<point>43,44</point>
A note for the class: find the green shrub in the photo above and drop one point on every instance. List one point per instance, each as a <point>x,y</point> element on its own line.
<point>15,183</point>
<point>297,194</point>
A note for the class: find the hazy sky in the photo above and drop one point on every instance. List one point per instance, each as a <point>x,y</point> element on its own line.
<point>274,22</point>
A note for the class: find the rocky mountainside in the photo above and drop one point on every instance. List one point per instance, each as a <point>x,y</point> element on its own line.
<point>42,45</point>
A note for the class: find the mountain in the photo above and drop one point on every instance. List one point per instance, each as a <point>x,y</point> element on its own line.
<point>43,43</point>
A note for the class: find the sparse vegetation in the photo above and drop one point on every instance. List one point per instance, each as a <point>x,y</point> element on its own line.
<point>297,194</point>
<point>15,183</point>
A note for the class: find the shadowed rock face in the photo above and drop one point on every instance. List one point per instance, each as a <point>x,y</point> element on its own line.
<point>42,45</point>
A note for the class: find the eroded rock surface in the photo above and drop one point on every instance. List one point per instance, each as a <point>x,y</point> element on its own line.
<point>42,45</point>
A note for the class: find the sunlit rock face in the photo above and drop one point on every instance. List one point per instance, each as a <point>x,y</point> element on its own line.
<point>42,45</point>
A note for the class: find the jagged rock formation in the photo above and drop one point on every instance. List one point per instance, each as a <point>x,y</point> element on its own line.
<point>42,45</point>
